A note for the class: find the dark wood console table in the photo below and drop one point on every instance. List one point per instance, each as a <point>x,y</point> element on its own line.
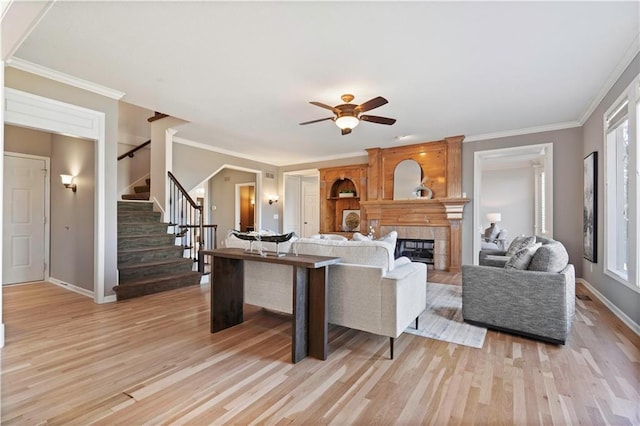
<point>310,275</point>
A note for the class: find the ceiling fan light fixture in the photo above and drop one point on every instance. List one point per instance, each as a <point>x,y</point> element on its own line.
<point>347,122</point>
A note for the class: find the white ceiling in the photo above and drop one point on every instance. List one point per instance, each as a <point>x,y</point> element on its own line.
<point>242,73</point>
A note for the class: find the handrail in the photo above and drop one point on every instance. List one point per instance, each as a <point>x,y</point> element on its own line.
<point>188,218</point>
<point>184,192</point>
<point>132,151</point>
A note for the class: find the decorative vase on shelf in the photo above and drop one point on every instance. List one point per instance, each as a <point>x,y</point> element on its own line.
<point>422,191</point>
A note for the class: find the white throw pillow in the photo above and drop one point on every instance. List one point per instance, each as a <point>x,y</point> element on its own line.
<point>360,237</point>
<point>390,238</point>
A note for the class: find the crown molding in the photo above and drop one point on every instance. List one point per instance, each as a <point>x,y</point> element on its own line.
<point>207,147</point>
<point>526,131</point>
<point>626,60</point>
<point>61,77</point>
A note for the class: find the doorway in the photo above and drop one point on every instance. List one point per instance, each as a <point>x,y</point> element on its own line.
<point>36,112</point>
<point>25,225</point>
<point>301,210</point>
<point>517,184</point>
<point>245,207</point>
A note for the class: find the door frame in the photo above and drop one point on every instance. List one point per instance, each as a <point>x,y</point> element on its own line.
<point>37,112</point>
<point>480,157</point>
<point>238,207</point>
<point>47,203</point>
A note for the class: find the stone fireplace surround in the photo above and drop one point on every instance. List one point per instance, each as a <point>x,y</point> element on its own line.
<point>439,235</point>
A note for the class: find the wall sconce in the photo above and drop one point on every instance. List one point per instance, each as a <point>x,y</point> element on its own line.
<point>67,181</point>
<point>273,199</point>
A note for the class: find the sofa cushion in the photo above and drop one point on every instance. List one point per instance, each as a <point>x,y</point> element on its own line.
<point>328,237</point>
<point>552,257</point>
<point>520,243</point>
<point>522,258</point>
<point>371,253</point>
<point>360,237</point>
<point>390,238</point>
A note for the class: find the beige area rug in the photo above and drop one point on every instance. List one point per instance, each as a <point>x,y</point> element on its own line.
<point>442,320</point>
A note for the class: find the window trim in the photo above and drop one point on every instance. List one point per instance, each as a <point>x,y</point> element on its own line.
<point>630,96</point>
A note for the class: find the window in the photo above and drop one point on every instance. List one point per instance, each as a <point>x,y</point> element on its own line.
<point>621,183</point>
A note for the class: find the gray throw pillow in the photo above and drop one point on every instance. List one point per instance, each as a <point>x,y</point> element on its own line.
<point>522,258</point>
<point>520,243</point>
<point>551,257</point>
<point>491,232</point>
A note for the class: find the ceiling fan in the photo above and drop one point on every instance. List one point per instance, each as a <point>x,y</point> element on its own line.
<point>347,116</point>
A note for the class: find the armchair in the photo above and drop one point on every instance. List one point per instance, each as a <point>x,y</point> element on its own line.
<point>537,302</point>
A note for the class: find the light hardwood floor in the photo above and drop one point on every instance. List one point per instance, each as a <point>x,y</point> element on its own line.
<point>152,360</point>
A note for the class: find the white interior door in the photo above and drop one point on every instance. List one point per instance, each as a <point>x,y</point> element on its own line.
<point>291,217</point>
<point>24,220</point>
<point>311,206</point>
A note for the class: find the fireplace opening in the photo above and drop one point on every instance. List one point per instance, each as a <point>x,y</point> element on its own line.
<point>415,249</point>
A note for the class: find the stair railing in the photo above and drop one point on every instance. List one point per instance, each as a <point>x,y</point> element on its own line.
<point>132,151</point>
<point>185,215</point>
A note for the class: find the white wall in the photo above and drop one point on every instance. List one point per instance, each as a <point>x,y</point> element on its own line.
<point>133,130</point>
<point>509,192</point>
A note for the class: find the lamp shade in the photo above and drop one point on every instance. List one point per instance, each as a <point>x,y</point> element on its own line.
<point>347,122</point>
<point>66,179</point>
<point>494,217</point>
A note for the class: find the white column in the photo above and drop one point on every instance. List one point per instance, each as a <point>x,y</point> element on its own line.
<point>162,132</point>
<point>1,190</point>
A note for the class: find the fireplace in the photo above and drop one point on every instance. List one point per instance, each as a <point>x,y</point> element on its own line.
<point>416,250</point>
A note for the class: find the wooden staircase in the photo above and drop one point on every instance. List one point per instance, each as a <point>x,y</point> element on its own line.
<point>149,261</point>
<point>140,192</point>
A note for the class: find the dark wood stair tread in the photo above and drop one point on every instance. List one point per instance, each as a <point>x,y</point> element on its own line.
<point>138,196</point>
<point>152,280</point>
<point>141,265</point>
<point>153,248</point>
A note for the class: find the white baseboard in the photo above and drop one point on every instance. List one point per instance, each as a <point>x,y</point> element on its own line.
<point>74,288</point>
<point>635,327</point>
<point>83,291</point>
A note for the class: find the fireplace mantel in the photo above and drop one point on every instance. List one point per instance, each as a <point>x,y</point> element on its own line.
<point>418,212</point>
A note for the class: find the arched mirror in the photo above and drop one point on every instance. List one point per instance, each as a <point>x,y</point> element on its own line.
<point>406,177</point>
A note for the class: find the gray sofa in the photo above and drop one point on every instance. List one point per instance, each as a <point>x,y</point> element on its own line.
<point>538,303</point>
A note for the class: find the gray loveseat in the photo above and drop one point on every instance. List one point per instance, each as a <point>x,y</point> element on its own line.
<point>537,302</point>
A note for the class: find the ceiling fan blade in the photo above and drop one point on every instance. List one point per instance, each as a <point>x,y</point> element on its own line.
<point>316,121</point>
<point>346,131</point>
<point>371,104</point>
<point>325,106</point>
<point>376,119</point>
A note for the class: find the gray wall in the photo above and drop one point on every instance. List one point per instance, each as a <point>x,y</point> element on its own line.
<point>623,297</point>
<point>567,187</point>
<point>222,190</point>
<point>31,83</point>
<point>72,214</point>
<point>192,166</point>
